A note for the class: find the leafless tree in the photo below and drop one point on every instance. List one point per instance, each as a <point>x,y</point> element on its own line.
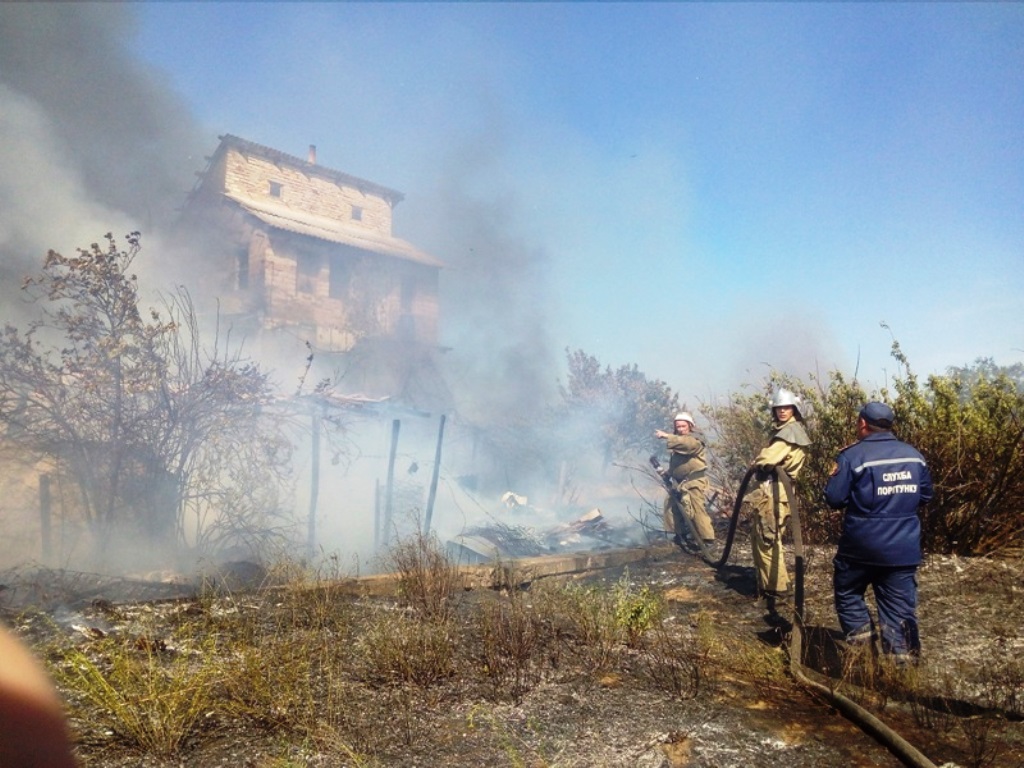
<point>152,428</point>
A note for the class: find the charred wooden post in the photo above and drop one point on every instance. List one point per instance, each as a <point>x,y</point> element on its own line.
<point>45,517</point>
<point>390,487</point>
<point>433,479</point>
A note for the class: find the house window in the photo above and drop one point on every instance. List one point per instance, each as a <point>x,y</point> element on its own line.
<point>408,293</point>
<point>339,279</point>
<point>275,188</point>
<point>307,268</point>
<point>357,213</point>
<point>242,264</point>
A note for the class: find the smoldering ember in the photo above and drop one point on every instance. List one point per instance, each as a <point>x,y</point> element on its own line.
<point>273,521</point>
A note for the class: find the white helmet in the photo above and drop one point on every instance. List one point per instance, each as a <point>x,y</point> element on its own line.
<point>785,397</point>
<point>685,416</point>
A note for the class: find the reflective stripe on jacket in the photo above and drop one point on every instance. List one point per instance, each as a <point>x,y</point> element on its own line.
<point>881,482</point>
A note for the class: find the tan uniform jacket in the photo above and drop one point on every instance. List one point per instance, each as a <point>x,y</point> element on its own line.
<point>687,461</point>
<point>787,449</point>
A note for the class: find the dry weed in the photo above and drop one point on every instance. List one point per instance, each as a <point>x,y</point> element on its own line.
<point>396,647</point>
<point>428,580</point>
<point>673,661</point>
<point>511,641</point>
<point>151,698</point>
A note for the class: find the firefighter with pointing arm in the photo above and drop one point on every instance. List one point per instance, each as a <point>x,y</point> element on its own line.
<point>688,468</point>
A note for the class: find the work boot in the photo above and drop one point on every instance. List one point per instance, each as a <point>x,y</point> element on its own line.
<point>865,636</point>
<point>904,660</point>
<point>772,600</point>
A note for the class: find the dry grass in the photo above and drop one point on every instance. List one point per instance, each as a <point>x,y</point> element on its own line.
<point>740,657</point>
<point>311,669</point>
<point>151,697</point>
<point>939,701</point>
<point>301,659</point>
<point>428,581</point>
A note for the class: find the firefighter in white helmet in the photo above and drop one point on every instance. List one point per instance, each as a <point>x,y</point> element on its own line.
<point>688,468</point>
<point>786,450</point>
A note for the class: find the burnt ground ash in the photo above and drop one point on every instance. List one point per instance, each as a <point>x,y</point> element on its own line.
<point>972,613</point>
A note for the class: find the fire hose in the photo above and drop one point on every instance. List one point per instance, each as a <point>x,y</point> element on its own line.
<point>895,743</point>
<point>675,493</point>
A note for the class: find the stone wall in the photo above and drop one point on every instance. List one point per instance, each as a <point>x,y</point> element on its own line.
<point>328,292</point>
<point>304,190</point>
<point>375,297</point>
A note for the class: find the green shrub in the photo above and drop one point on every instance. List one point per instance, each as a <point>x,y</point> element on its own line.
<point>969,424</point>
<point>636,610</point>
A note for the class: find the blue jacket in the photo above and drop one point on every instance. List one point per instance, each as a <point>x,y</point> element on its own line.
<point>881,482</point>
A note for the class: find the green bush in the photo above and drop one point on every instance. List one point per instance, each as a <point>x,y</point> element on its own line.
<point>636,610</point>
<point>968,423</point>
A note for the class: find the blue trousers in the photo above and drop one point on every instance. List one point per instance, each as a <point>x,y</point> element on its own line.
<point>895,589</point>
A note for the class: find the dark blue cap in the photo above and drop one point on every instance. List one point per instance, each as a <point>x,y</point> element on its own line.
<point>878,415</point>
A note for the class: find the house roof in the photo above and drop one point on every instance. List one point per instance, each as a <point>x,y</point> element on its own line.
<point>249,147</point>
<point>288,219</point>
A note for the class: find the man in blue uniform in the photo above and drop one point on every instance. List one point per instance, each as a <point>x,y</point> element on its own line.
<point>881,482</point>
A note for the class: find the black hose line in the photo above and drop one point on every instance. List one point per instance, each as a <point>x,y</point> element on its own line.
<point>896,744</point>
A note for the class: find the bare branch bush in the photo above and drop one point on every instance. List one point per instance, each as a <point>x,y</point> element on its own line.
<point>673,661</point>
<point>511,640</point>
<point>397,647</point>
<point>152,427</point>
<point>428,580</point>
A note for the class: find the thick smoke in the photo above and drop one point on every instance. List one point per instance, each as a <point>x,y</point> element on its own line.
<point>501,360</point>
<point>495,294</point>
<point>91,140</point>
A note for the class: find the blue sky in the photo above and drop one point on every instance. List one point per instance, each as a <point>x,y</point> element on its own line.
<point>705,190</point>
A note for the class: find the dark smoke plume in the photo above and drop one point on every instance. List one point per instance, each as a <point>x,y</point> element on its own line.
<point>91,139</point>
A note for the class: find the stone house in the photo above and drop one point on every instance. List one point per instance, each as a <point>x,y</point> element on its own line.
<point>299,252</point>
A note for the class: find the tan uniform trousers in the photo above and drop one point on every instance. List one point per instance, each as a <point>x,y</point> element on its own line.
<point>766,539</point>
<point>692,505</point>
